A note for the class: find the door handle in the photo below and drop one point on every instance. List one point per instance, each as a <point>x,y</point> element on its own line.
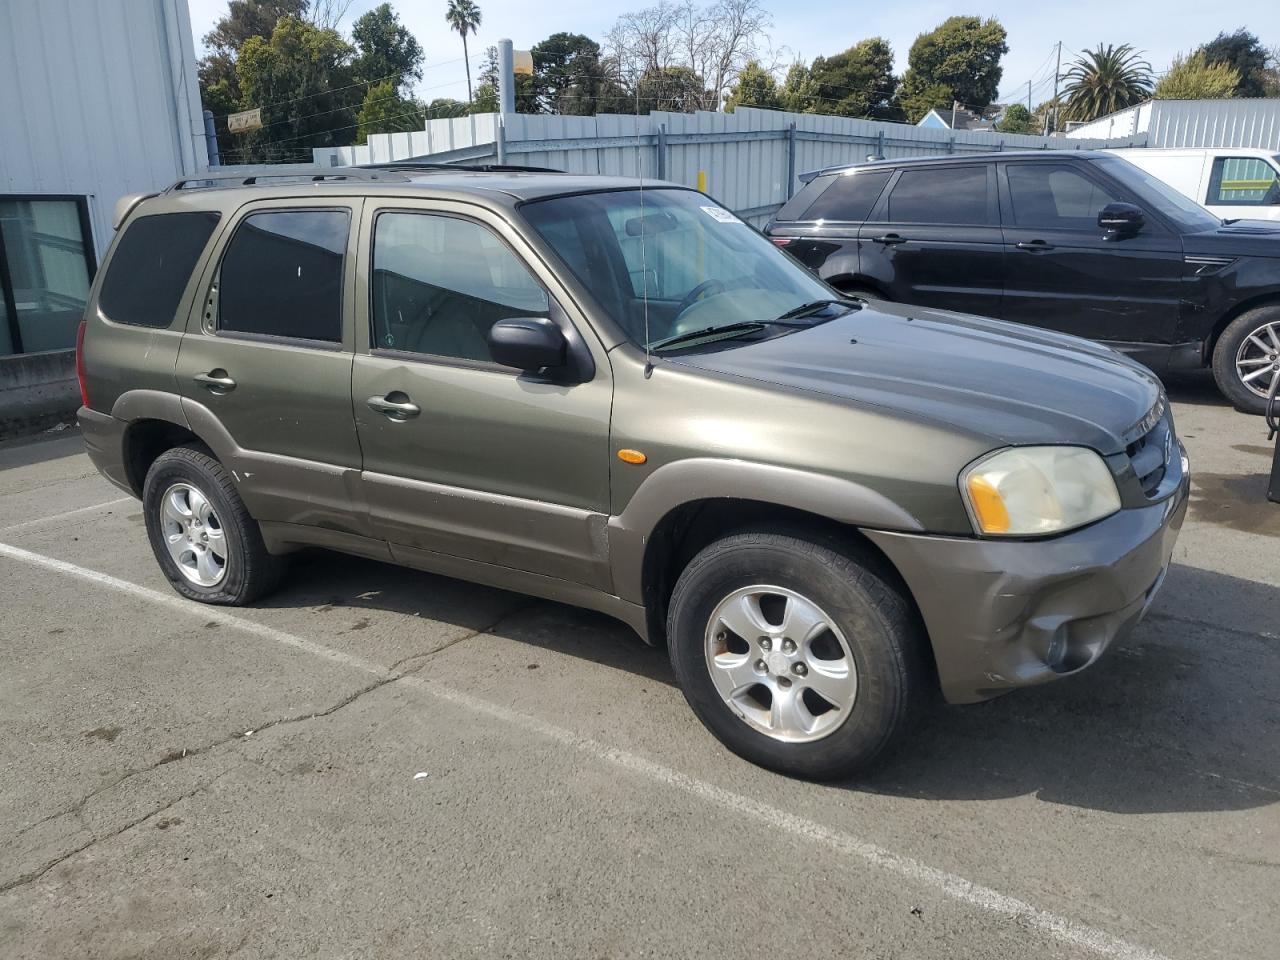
<point>398,410</point>
<point>214,383</point>
<point>1034,245</point>
<point>889,239</point>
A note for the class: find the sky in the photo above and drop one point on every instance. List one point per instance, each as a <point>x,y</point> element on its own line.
<point>816,29</point>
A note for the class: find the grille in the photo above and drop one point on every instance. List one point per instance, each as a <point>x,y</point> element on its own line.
<point>1149,455</point>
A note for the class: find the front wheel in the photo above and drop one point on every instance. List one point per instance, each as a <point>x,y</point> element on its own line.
<point>798,656</point>
<point>1246,359</point>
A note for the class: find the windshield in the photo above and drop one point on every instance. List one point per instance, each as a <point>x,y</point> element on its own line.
<point>1186,213</point>
<point>696,264</point>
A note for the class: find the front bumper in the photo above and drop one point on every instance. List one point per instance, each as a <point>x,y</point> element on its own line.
<point>1003,614</point>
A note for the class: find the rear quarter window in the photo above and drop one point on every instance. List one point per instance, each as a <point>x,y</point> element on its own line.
<point>850,197</point>
<point>151,266</point>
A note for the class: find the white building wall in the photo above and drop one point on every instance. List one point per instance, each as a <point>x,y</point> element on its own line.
<point>98,98</point>
<point>1193,123</point>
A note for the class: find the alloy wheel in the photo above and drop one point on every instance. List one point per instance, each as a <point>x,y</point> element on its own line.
<point>193,535</point>
<point>1258,359</point>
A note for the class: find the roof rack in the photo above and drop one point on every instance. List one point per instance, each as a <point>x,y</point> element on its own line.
<point>214,179</point>
<point>464,167</point>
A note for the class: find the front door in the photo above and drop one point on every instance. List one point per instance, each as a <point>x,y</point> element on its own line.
<point>265,367</point>
<point>464,457</point>
<point>934,239</point>
<point>1066,275</point>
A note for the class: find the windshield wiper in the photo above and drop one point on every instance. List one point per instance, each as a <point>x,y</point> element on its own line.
<point>723,331</point>
<point>813,306</point>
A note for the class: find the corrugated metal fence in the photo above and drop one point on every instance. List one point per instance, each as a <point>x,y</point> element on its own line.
<point>751,158</point>
<point>1193,123</point>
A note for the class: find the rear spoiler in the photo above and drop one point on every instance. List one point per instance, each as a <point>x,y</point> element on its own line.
<point>125,206</point>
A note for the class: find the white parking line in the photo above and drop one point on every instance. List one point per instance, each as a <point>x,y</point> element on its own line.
<point>1069,932</point>
<point>13,528</point>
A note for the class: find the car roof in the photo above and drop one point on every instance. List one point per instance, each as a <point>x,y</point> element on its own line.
<point>1046,155</point>
<point>1260,152</point>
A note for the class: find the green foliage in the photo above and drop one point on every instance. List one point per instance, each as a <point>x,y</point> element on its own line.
<point>385,49</point>
<point>799,92</point>
<point>856,83</point>
<point>300,78</point>
<point>385,111</point>
<point>957,60</point>
<point>1244,52</point>
<point>1043,115</point>
<point>572,77</point>
<point>1105,80</point>
<point>1017,119</point>
<point>1195,78</point>
<point>446,107</point>
<point>463,17</point>
<point>755,87</point>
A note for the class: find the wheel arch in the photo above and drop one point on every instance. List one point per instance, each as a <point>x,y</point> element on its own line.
<point>1271,299</point>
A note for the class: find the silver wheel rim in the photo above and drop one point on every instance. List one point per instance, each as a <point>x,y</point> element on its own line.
<point>193,535</point>
<point>781,663</point>
<point>1258,359</point>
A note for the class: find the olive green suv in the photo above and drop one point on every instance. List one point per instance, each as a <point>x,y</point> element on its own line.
<point>618,395</point>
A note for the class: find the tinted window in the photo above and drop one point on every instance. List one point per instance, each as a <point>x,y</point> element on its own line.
<point>1243,181</point>
<point>940,195</point>
<point>1047,195</point>
<point>850,197</point>
<point>440,283</point>
<point>151,266</point>
<point>282,275</point>
<point>794,208</point>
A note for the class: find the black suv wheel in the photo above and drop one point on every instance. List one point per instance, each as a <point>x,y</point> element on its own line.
<point>1247,358</point>
<point>796,655</point>
<point>206,543</point>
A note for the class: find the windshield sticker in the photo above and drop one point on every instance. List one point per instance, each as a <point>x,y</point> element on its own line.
<point>721,214</point>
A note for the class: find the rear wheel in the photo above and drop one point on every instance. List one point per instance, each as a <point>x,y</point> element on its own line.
<point>1246,359</point>
<point>202,536</point>
<point>798,656</point>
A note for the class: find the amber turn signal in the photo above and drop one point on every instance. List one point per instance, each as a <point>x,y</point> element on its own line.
<point>631,456</point>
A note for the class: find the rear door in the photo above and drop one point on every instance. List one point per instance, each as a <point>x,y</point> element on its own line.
<point>934,238</point>
<point>265,367</point>
<point>464,457</point>
<point>819,226</point>
<point>1065,274</point>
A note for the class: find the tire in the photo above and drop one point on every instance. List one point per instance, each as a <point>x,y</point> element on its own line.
<point>875,630</point>
<point>1235,345</point>
<point>191,479</point>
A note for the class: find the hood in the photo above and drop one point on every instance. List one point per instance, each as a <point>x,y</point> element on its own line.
<point>1008,383</point>
<point>1247,238</point>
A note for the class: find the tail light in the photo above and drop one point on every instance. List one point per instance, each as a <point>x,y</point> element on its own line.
<point>782,241</point>
<point>84,387</point>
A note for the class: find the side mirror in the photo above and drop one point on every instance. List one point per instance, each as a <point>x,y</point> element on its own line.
<point>527,343</point>
<point>1122,219</point>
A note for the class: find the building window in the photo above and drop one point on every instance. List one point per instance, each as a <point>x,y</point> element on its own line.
<point>46,266</point>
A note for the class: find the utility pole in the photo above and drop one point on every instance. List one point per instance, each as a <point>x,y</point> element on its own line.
<point>954,106</point>
<point>1057,75</point>
<point>1028,96</point>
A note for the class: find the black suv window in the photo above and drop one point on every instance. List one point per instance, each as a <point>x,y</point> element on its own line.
<point>1056,196</point>
<point>850,197</point>
<point>440,283</point>
<point>282,275</point>
<point>941,195</point>
<point>151,266</point>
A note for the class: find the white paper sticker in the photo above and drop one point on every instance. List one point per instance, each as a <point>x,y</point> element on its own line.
<point>721,214</point>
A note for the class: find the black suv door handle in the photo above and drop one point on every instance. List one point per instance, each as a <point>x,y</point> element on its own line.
<point>1035,246</point>
<point>394,409</point>
<point>215,381</point>
<point>889,239</point>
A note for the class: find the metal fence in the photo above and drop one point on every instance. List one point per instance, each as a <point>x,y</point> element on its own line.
<point>750,160</point>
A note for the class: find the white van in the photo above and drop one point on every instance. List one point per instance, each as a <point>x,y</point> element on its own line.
<point>1231,183</point>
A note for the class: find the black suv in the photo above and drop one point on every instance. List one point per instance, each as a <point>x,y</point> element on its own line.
<point>1081,242</point>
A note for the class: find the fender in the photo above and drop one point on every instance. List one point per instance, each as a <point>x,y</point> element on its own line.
<point>699,478</point>
<point>149,405</point>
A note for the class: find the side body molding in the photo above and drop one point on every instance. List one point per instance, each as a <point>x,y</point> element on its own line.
<point>704,478</point>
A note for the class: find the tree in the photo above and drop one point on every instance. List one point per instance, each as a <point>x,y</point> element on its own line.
<point>385,49</point>
<point>677,89</point>
<point>1195,78</point>
<point>755,88</point>
<point>1244,52</point>
<point>1105,80</point>
<point>445,107</point>
<point>1271,76</point>
<point>300,64</point>
<point>957,60</point>
<point>1017,119</point>
<point>385,111</point>
<point>463,17</point>
<point>572,76</point>
<point>799,93</point>
<point>1044,115</point>
<point>856,83</point>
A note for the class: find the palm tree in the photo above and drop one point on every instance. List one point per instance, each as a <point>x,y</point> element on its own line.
<point>464,16</point>
<point>1105,80</point>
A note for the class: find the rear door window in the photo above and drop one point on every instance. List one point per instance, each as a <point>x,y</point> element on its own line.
<point>1243,182</point>
<point>282,275</point>
<point>1056,197</point>
<point>151,266</point>
<point>850,197</point>
<point>957,195</point>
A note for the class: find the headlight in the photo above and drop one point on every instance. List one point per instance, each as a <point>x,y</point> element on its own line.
<point>1033,491</point>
